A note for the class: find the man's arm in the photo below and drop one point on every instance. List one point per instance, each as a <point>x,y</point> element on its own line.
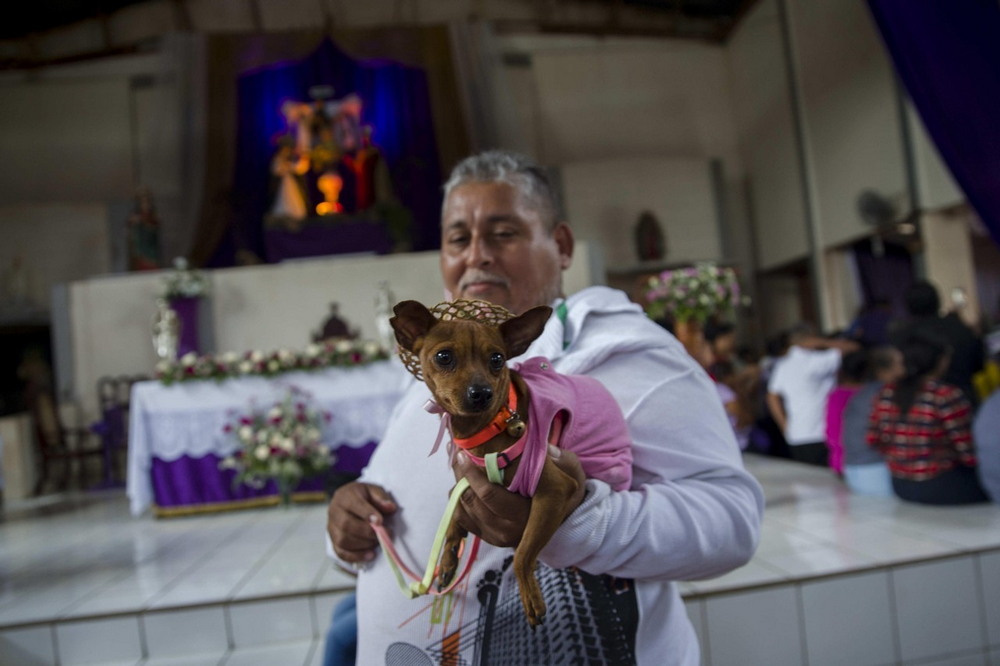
<point>693,511</point>
<point>777,409</point>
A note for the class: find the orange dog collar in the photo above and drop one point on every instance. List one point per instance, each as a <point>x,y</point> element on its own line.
<point>506,418</point>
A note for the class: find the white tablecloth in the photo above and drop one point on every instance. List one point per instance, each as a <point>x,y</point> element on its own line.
<point>167,422</point>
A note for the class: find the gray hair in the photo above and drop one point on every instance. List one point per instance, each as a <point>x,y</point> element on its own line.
<point>519,171</point>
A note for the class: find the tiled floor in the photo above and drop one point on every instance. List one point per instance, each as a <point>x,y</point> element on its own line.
<point>81,581</point>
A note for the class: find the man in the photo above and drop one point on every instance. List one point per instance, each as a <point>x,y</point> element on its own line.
<point>693,511</point>
<point>798,388</point>
<point>923,304</point>
<point>986,435</point>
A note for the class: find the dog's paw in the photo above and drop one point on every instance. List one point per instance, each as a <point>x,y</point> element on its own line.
<point>534,604</point>
<point>448,566</point>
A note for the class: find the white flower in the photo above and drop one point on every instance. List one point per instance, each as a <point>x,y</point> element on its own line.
<point>312,350</point>
<point>344,346</point>
<point>245,367</point>
<point>189,359</point>
<point>245,433</point>
<point>256,356</point>
<point>262,452</point>
<point>230,357</point>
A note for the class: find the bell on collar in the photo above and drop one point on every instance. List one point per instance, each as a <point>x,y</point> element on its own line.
<point>515,426</point>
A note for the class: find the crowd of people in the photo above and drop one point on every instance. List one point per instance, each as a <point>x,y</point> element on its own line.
<point>891,405</point>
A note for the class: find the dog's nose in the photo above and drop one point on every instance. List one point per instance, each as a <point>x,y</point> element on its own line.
<point>479,396</point>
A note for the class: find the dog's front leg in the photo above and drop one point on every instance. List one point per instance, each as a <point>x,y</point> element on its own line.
<point>450,552</point>
<point>548,510</point>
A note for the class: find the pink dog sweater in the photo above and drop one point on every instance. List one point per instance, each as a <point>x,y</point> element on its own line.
<point>593,427</point>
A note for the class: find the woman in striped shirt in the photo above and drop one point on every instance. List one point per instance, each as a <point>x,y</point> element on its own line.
<point>922,427</point>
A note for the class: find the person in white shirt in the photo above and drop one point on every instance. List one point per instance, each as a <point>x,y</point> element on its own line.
<point>608,573</point>
<point>798,388</point>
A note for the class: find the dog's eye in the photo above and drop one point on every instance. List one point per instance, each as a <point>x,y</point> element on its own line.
<point>496,361</point>
<point>444,358</point>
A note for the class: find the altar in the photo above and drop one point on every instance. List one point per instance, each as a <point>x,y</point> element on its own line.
<point>177,435</point>
<point>335,234</point>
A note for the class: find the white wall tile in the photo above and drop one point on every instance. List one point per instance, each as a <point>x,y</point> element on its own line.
<point>965,659</point>
<point>265,622</point>
<point>185,632</point>
<point>28,647</point>
<point>294,653</point>
<point>109,640</point>
<point>200,659</point>
<point>760,627</point>
<point>848,621</point>
<point>323,605</point>
<point>696,613</point>
<point>989,567</point>
<point>937,605</point>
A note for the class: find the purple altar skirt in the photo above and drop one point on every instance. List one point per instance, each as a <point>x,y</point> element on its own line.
<point>198,483</point>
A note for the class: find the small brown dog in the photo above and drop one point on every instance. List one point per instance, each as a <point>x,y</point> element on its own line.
<point>464,363</point>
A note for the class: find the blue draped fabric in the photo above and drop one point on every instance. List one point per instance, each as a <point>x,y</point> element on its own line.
<point>947,55</point>
<point>396,103</point>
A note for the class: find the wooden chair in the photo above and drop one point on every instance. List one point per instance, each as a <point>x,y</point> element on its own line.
<point>57,443</point>
<point>113,395</point>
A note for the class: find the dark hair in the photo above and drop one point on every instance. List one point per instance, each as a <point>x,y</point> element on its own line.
<point>922,351</point>
<point>716,329</point>
<point>922,299</point>
<point>881,357</point>
<point>777,344</point>
<point>853,367</point>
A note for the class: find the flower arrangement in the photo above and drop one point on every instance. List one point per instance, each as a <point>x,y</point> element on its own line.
<point>695,292</point>
<point>283,444</point>
<point>316,356</point>
<point>184,282</point>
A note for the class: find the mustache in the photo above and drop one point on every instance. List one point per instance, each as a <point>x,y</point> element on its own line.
<point>475,276</point>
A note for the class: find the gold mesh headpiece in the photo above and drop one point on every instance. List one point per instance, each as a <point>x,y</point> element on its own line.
<point>481,311</point>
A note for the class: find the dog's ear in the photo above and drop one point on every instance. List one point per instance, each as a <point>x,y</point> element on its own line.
<point>518,333</point>
<point>412,321</point>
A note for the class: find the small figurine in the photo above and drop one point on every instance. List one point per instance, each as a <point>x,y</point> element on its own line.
<point>166,331</point>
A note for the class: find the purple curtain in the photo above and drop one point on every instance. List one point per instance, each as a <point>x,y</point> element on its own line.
<point>947,55</point>
<point>396,103</point>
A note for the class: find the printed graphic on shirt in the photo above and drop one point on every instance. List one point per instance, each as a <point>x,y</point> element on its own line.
<point>590,619</point>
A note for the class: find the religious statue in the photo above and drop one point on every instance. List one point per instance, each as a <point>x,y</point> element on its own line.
<point>289,166</point>
<point>384,300</point>
<point>650,243</point>
<point>166,331</point>
<point>143,230</point>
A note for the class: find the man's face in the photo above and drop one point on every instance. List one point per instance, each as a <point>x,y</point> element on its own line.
<point>496,247</point>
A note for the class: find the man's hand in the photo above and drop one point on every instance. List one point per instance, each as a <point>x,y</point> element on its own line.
<point>355,507</point>
<point>497,515</point>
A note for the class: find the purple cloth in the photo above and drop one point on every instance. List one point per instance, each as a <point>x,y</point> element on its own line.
<point>947,55</point>
<point>187,312</point>
<point>322,238</point>
<point>190,481</point>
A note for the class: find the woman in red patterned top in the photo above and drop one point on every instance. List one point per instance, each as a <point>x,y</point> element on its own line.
<point>922,427</point>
